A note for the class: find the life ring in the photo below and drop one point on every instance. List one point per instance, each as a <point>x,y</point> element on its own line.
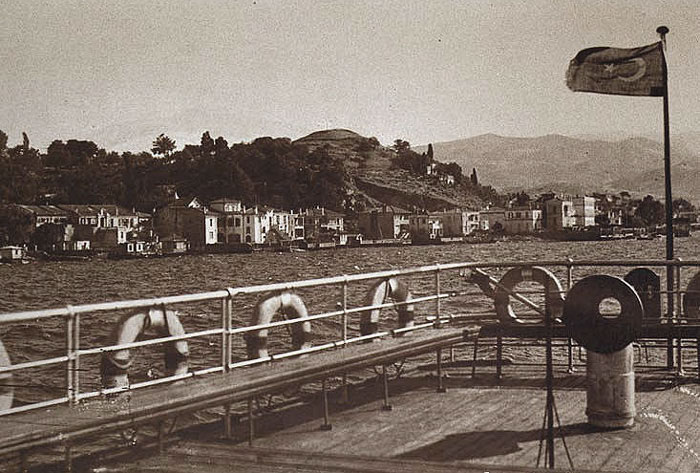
<point>554,298</point>
<point>292,306</point>
<point>377,294</point>
<point>130,327</point>
<point>7,390</point>
<point>589,327</point>
<point>691,298</point>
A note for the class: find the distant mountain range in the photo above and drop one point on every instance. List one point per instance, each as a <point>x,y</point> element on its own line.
<point>577,165</point>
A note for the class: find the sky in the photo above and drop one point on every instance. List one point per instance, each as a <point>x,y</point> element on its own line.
<point>120,73</point>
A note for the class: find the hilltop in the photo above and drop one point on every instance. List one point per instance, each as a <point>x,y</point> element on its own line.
<point>374,178</point>
<point>567,164</point>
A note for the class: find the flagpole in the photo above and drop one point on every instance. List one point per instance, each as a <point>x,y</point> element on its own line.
<point>662,31</point>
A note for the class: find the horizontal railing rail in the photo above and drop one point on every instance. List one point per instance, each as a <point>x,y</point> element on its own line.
<point>73,314</point>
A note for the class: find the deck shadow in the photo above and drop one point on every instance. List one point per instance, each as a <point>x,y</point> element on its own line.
<point>487,443</point>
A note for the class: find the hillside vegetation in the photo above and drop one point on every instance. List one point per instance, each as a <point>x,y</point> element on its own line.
<point>337,169</point>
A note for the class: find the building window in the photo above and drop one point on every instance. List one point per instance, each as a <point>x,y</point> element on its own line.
<point>247,220</point>
<point>238,222</point>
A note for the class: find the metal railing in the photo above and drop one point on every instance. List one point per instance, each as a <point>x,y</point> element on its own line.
<point>73,315</point>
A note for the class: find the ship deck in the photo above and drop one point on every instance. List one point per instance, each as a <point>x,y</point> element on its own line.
<point>481,423</point>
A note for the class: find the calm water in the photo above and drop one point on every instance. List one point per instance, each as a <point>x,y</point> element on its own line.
<point>54,284</point>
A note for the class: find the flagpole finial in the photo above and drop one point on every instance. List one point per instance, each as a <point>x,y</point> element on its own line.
<point>662,30</point>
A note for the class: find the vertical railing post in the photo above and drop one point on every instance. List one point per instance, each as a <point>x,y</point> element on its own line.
<point>70,355</point>
<point>224,333</point>
<point>344,389</point>
<point>679,312</point>
<point>569,283</point>
<point>76,358</point>
<point>670,362</point>
<point>345,311</point>
<point>437,297</point>
<point>226,349</point>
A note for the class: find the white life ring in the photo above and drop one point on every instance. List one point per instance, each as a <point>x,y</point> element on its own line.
<point>165,323</point>
<point>377,294</point>
<point>6,388</point>
<point>292,306</point>
<point>554,297</point>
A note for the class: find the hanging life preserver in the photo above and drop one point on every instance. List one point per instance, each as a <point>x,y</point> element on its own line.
<point>691,299</point>
<point>554,298</point>
<point>129,328</point>
<point>6,388</point>
<point>598,332</point>
<point>378,294</point>
<point>292,306</point>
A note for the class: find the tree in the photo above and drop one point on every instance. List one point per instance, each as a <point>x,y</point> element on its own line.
<point>163,145</point>
<point>682,205</point>
<point>401,146</point>
<point>650,211</point>
<point>3,142</point>
<point>430,152</point>
<point>473,179</point>
<point>207,145</point>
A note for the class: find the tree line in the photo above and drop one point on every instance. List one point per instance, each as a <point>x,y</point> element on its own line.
<point>268,171</point>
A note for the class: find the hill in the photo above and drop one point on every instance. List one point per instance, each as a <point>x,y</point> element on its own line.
<point>373,177</point>
<point>561,163</point>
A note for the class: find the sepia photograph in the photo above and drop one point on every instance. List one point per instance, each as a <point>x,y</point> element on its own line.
<point>322,236</point>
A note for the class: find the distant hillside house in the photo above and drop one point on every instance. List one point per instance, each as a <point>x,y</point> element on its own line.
<point>384,222</point>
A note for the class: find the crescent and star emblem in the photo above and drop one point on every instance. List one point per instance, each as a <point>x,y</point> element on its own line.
<point>628,71</point>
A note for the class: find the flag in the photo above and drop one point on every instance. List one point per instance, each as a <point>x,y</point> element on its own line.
<point>636,71</point>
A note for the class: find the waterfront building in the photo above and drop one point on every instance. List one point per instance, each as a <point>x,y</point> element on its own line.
<point>100,218</point>
<point>196,223</point>
<point>559,214</point>
<point>230,225</point>
<point>173,244</point>
<point>424,226</point>
<point>584,211</point>
<point>384,222</point>
<point>493,218</point>
<point>522,220</point>
<point>11,253</point>
<point>321,221</point>
<point>41,214</point>
<point>458,222</point>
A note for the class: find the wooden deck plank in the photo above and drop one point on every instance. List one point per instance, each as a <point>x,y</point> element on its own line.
<point>59,424</point>
<point>505,429</point>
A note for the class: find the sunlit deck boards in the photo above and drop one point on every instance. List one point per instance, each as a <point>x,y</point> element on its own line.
<point>484,421</point>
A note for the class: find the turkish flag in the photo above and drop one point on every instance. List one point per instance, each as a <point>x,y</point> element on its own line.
<point>616,71</point>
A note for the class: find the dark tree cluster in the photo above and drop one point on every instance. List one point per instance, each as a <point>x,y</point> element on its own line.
<point>268,171</point>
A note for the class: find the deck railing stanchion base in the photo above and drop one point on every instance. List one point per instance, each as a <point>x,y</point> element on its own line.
<point>385,382</point>
<point>326,426</point>
<point>251,423</point>
<point>441,386</point>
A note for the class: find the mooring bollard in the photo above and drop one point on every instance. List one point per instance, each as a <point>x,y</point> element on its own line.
<point>610,390</point>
